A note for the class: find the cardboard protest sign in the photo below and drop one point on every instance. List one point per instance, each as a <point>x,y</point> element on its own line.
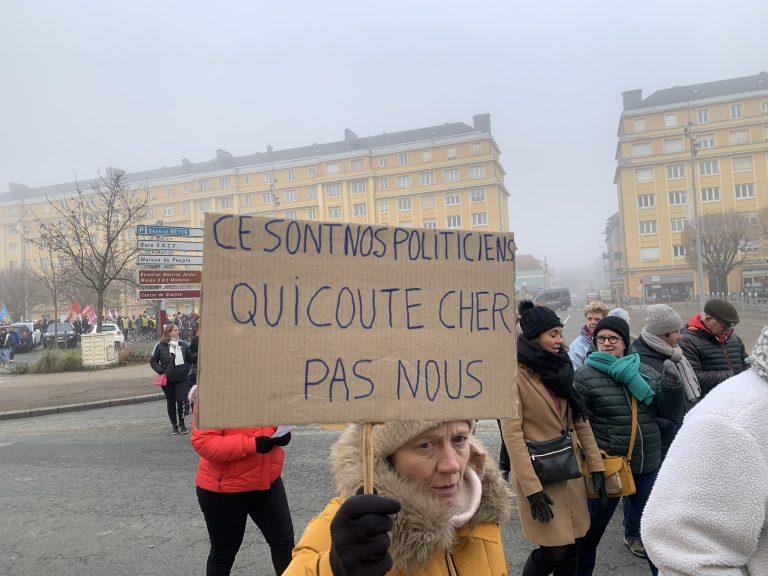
<point>320,322</point>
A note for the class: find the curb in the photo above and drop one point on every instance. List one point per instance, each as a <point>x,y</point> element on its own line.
<point>16,414</point>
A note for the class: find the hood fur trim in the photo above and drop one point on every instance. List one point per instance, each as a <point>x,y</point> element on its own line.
<point>423,525</point>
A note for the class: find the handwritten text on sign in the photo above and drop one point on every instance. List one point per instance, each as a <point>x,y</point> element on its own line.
<point>331,322</point>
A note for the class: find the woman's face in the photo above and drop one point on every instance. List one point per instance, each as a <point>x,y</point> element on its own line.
<point>175,333</point>
<point>672,338</point>
<point>437,458</point>
<point>551,340</point>
<point>610,342</point>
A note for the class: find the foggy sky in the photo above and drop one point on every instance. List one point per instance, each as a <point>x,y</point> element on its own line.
<point>142,84</point>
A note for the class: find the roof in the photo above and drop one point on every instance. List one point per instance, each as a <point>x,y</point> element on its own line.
<point>718,88</point>
<point>224,160</point>
<point>528,262</point>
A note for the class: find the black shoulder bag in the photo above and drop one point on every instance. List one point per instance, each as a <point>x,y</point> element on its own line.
<point>554,460</point>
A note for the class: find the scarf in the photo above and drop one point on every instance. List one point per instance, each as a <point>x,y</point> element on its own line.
<point>695,323</point>
<point>687,375</point>
<point>586,332</point>
<point>556,373</point>
<point>759,358</point>
<point>624,370</point>
<point>175,349</point>
<point>469,498</point>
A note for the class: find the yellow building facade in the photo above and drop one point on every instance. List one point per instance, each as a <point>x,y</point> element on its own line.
<point>446,176</point>
<point>728,120</point>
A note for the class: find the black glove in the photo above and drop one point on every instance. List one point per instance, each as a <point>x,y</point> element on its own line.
<point>598,482</point>
<point>282,440</point>
<point>541,507</point>
<point>669,372</point>
<point>359,539</point>
<point>265,443</point>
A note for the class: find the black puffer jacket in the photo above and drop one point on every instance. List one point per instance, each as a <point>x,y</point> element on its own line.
<point>611,418</point>
<point>712,361</point>
<point>163,362</point>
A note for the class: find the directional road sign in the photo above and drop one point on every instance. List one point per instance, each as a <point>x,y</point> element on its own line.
<point>152,277</point>
<point>172,246</point>
<point>168,294</point>
<point>168,231</point>
<point>150,259</point>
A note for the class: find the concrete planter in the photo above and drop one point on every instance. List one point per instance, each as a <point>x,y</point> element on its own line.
<point>98,349</point>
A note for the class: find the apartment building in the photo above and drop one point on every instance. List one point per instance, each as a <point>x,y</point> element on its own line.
<point>728,120</point>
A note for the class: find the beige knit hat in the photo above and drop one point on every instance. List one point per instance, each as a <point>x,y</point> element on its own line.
<point>661,319</point>
<point>389,436</point>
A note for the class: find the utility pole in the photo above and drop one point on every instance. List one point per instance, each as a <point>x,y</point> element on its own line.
<point>24,270</point>
<point>696,221</point>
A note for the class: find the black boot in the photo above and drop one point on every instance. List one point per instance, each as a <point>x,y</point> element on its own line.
<point>533,569</point>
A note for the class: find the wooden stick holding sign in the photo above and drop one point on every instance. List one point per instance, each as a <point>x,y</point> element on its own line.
<point>368,458</point>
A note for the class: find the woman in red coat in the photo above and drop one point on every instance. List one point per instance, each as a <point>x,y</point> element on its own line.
<point>239,476</point>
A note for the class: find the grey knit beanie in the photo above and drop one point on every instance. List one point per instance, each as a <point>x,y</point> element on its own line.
<point>389,436</point>
<point>661,319</point>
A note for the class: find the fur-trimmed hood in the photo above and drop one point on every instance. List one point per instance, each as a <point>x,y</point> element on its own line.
<point>422,527</point>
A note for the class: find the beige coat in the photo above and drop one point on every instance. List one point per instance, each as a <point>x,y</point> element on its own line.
<point>540,420</point>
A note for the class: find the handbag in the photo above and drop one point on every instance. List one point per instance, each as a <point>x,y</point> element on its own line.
<point>619,480</point>
<point>160,380</point>
<point>554,460</point>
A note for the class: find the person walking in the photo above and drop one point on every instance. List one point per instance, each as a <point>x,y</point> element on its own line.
<point>553,515</point>
<point>437,508</point>
<point>171,357</point>
<point>712,347</point>
<point>593,312</point>
<point>707,511</point>
<point>615,384</point>
<point>239,475</point>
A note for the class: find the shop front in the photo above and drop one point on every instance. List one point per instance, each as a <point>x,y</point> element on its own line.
<point>670,287</point>
<point>755,282</point>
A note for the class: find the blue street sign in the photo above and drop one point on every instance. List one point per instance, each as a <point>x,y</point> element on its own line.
<point>168,231</point>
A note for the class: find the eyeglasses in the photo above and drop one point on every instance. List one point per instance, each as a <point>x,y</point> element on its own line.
<point>610,339</point>
<point>726,325</point>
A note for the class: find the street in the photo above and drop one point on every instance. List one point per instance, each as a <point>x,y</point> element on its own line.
<point>109,491</point>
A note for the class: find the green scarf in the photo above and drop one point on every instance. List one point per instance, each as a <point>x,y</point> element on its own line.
<point>625,370</point>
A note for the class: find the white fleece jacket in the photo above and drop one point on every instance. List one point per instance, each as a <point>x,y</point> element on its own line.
<point>708,511</point>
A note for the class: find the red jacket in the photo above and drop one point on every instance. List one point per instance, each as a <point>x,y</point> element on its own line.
<point>229,461</point>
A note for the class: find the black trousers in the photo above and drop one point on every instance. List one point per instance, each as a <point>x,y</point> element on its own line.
<point>175,396</point>
<point>225,516</point>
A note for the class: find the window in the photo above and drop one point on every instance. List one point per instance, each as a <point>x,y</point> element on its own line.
<point>267,198</point>
<point>168,211</point>
<point>673,145</point>
<point>426,156</point>
<point>383,183</point>
<point>702,116</point>
<point>291,195</point>
<point>360,209</point>
<point>403,203</point>
<point>12,247</point>
<point>639,124</point>
<point>479,219</point>
<point>641,149</point>
<point>291,214</point>
<point>744,191</point>
<point>357,165</point>
<point>678,251</point>
<point>450,152</point>
<point>453,221</point>
<point>247,180</point>
<point>706,141</point>
<point>150,196</point>
<point>225,203</point>
<point>675,171</point>
<point>737,137</point>
<point>737,111</point>
<point>383,162</point>
<point>647,226</point>
<point>185,208</point>
<point>311,172</point>
<point>677,224</point>
<point>384,206</point>
<point>312,193</point>
<point>428,177</point>
<point>269,177</point>
<point>358,187</point>
<point>427,201</point>
<point>405,223</point>
<point>311,214</point>
<point>643,174</point>
<point>765,133</point>
<point>452,199</point>
<point>402,159</point>
<point>678,197</point>
<point>332,190</point>
<point>148,213</point>
<point>169,192</point>
<point>710,194</point>
<point>224,183</point>
<point>477,194</point>
<point>709,167</point>
<point>651,253</point>
<point>750,218</point>
<point>670,120</point>
<point>187,188</point>
<point>247,200</point>
<point>451,175</point>
<point>764,106</point>
<point>404,181</point>
<point>11,229</point>
<point>646,200</point>
<point>331,167</point>
<point>203,186</point>
<point>477,171</point>
<point>429,223</point>
<point>742,163</point>
<point>476,148</point>
<point>290,174</point>
<point>334,212</point>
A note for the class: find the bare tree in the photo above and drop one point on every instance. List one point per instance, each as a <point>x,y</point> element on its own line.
<point>89,235</point>
<point>50,274</point>
<point>18,292</point>
<point>725,240</point>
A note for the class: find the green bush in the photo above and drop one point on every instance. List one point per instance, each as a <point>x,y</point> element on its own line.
<point>52,361</point>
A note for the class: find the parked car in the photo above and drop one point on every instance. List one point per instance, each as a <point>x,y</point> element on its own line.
<point>29,336</point>
<point>65,335</point>
<point>555,298</point>
<point>112,329</point>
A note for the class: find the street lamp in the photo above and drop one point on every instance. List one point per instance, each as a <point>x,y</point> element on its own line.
<point>696,222</point>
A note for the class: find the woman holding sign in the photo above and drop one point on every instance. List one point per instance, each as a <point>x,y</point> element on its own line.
<point>239,476</point>
<point>550,446</point>
<point>438,505</point>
